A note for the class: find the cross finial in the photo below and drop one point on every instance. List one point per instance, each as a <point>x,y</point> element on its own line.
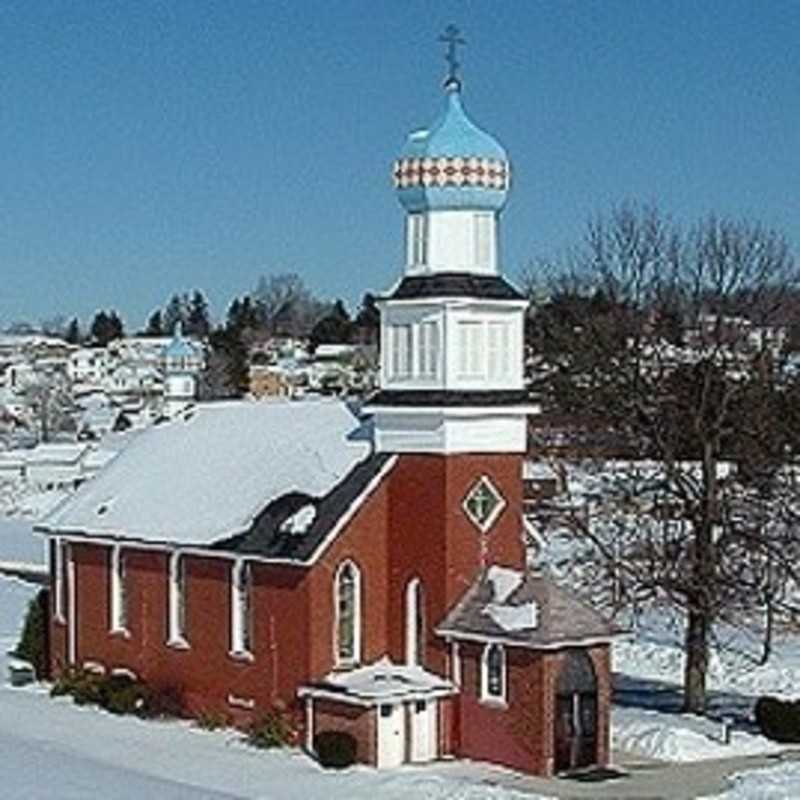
<point>452,38</point>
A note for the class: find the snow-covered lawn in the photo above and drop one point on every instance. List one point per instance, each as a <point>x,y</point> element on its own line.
<point>680,737</point>
<point>770,783</point>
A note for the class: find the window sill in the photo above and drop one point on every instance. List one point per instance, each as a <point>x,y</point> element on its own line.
<point>120,633</point>
<point>59,619</point>
<point>178,644</point>
<point>498,703</point>
<point>241,655</point>
<point>346,666</point>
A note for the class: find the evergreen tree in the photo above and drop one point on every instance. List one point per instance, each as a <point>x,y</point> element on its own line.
<point>197,321</point>
<point>368,320</point>
<point>334,328</point>
<point>226,370</point>
<point>100,329</point>
<point>106,327</point>
<point>175,312</point>
<point>116,326</point>
<point>73,332</point>
<point>155,326</point>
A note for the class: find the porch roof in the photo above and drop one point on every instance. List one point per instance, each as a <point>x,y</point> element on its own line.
<point>524,609</point>
<point>381,682</point>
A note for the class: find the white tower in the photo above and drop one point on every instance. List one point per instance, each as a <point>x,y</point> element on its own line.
<point>180,381</point>
<point>452,328</point>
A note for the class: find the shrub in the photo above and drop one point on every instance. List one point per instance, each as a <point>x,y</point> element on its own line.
<point>84,687</point>
<point>778,720</point>
<point>211,720</point>
<point>122,694</point>
<point>119,694</point>
<point>335,749</point>
<point>162,702</point>
<point>32,645</point>
<point>271,729</point>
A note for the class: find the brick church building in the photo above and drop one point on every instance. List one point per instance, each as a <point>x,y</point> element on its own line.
<point>364,569</point>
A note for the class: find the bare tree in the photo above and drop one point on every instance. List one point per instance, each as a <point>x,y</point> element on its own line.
<point>671,350</point>
<point>286,305</point>
<point>49,398</point>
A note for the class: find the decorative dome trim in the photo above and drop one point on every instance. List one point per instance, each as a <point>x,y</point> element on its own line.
<point>484,173</point>
<point>452,165</point>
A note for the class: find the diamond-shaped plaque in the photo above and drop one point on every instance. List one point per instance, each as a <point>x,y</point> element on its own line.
<point>483,504</point>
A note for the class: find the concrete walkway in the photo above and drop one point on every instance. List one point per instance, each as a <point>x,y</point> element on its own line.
<point>644,779</point>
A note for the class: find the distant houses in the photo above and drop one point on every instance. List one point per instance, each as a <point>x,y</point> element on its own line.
<point>96,389</point>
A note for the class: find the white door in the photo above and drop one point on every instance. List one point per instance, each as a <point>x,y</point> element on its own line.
<point>391,735</point>
<point>424,730</point>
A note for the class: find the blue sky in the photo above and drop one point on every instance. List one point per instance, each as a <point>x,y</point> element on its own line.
<point>153,147</point>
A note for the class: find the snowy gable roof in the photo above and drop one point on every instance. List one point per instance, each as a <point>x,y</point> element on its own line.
<point>382,681</point>
<point>207,475</point>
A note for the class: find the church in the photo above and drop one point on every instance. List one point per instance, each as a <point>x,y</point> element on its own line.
<point>363,568</point>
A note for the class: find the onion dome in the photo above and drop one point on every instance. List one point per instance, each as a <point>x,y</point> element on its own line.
<point>179,351</point>
<point>453,164</point>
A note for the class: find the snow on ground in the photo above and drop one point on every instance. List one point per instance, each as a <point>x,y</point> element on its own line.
<point>90,753</point>
<point>648,675</point>
<point>770,783</point>
<point>656,654</point>
<point>14,599</point>
<point>680,737</point>
<point>18,542</point>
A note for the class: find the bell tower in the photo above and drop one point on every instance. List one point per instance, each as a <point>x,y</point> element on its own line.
<point>452,402</point>
<point>452,327</point>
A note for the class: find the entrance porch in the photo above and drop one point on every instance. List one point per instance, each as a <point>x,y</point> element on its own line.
<point>396,713</point>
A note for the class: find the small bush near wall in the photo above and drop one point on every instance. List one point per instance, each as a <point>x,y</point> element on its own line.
<point>211,720</point>
<point>778,720</point>
<point>335,749</point>
<point>274,728</point>
<point>32,645</point>
<point>119,694</point>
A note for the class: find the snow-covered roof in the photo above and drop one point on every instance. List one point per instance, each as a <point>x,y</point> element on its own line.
<point>381,681</point>
<point>205,476</point>
<point>52,454</point>
<point>504,582</point>
<point>333,350</point>
<point>524,609</point>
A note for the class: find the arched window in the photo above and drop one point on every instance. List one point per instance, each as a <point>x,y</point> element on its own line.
<point>493,674</point>
<point>242,608</point>
<point>119,591</point>
<point>415,622</point>
<point>177,599</point>
<point>347,603</point>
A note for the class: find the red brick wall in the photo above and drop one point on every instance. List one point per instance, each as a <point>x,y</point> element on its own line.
<point>511,735</point>
<point>521,735</point>
<point>431,537</point>
<point>360,723</point>
<point>205,674</point>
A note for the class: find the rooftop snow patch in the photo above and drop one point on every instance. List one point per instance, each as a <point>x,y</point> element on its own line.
<point>201,482</point>
<point>383,680</point>
<point>514,618</point>
<point>299,521</point>
<point>504,581</point>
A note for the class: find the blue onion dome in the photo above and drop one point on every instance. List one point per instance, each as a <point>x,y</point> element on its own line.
<point>453,164</point>
<point>179,347</point>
